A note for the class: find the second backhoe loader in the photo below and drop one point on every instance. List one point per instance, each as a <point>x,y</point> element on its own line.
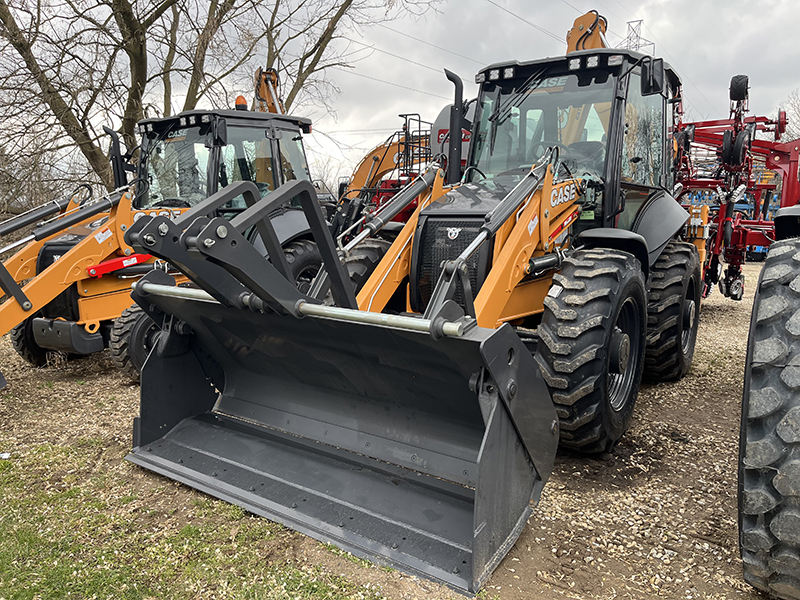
<point>67,284</point>
<point>534,291</point>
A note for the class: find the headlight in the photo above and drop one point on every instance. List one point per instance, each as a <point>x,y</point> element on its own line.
<point>592,62</point>
<point>494,74</point>
<point>615,61</point>
<point>574,64</point>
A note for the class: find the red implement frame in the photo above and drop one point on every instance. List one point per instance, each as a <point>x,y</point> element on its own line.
<point>731,233</point>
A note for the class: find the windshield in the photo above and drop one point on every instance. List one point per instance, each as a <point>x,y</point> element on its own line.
<point>248,157</point>
<point>518,120</point>
<point>177,163</point>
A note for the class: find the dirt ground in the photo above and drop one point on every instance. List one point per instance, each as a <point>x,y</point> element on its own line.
<point>656,518</point>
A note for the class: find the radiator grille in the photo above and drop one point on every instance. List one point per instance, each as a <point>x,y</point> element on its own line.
<point>437,245</point>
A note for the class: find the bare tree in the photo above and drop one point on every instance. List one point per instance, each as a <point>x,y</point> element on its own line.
<point>792,108</point>
<point>76,65</point>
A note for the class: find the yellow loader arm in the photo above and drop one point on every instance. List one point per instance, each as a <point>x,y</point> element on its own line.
<point>544,216</point>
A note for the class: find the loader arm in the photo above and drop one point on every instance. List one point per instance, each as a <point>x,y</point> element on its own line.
<point>537,225</point>
<point>391,272</point>
<point>22,265</point>
<point>70,268</point>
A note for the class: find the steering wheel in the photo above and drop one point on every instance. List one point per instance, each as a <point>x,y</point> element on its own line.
<point>545,145</point>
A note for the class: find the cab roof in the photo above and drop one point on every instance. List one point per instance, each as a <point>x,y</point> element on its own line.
<point>244,117</point>
<point>630,56</point>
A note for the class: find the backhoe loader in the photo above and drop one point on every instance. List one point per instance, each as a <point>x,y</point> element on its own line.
<point>411,414</point>
<point>81,304</point>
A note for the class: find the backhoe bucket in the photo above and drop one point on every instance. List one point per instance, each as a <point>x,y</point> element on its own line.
<point>421,449</point>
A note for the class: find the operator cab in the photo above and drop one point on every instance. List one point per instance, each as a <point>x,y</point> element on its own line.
<point>612,129</point>
<point>190,156</point>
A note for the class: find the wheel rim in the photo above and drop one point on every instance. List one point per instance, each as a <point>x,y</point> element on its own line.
<point>144,338</point>
<point>305,277</point>
<point>689,318</point>
<point>628,325</point>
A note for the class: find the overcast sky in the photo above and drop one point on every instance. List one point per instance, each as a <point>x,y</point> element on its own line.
<point>707,41</point>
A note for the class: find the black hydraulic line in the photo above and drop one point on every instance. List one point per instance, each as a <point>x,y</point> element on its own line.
<point>402,199</point>
<point>33,216</point>
<point>503,211</point>
<point>78,215</point>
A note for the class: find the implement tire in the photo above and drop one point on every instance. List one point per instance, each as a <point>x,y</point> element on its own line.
<point>24,343</point>
<point>133,336</point>
<point>769,448</point>
<point>738,89</point>
<point>673,312</point>
<point>591,346</point>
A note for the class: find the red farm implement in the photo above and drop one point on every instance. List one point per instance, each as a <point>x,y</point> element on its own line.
<point>723,165</point>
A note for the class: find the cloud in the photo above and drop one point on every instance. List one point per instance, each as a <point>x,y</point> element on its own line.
<point>707,42</point>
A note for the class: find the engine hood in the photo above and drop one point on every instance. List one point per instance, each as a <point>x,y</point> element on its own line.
<point>469,199</point>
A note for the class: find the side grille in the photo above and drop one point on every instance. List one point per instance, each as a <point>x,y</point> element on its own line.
<point>445,239</point>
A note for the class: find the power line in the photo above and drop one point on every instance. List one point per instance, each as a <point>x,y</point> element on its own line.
<point>355,131</point>
<point>390,83</point>
<point>403,58</point>
<point>416,39</point>
<point>669,56</point>
<point>552,35</point>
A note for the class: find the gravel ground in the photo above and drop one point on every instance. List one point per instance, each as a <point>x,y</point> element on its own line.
<point>655,518</point>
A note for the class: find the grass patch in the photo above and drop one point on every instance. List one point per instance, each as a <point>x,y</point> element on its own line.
<point>72,528</point>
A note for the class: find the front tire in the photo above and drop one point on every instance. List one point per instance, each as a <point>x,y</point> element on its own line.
<point>673,312</point>
<point>591,346</point>
<point>24,343</point>
<point>769,448</point>
<point>304,261</point>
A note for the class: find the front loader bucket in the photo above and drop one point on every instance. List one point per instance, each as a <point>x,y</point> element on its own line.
<point>415,442</point>
<point>419,453</point>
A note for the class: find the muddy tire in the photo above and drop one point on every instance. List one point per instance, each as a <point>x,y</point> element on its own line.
<point>304,261</point>
<point>364,259</point>
<point>769,449</point>
<point>591,346</point>
<point>24,343</point>
<point>133,336</point>
<point>673,312</point>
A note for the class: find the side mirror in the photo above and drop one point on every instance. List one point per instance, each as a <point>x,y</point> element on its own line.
<point>652,76</point>
<point>219,130</point>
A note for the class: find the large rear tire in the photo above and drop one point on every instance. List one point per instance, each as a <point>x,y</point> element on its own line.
<point>24,343</point>
<point>591,346</point>
<point>673,312</point>
<point>769,449</point>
